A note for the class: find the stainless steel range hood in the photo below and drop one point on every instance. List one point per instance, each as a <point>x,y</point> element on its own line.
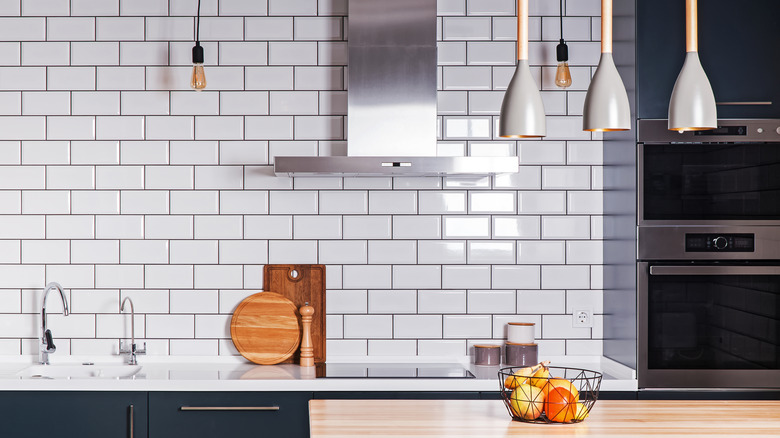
<point>392,118</point>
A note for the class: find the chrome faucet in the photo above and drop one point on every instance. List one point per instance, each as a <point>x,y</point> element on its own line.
<point>132,351</point>
<point>47,341</point>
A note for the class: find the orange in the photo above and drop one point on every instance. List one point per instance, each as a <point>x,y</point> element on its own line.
<point>560,405</point>
<point>561,383</point>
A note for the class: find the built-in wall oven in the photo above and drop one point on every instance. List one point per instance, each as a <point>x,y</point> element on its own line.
<point>709,256</point>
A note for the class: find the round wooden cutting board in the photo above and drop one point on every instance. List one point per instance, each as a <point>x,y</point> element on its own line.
<point>265,328</point>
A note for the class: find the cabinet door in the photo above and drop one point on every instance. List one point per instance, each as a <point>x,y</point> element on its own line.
<point>738,50</point>
<point>73,414</point>
<point>211,414</point>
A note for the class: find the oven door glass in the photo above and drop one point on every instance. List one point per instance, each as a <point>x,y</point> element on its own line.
<point>713,317</point>
<point>702,182</point>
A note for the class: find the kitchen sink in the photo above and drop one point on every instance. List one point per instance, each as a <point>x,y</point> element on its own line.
<point>83,371</point>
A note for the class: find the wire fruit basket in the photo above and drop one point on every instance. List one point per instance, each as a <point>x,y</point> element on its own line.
<point>563,395</point>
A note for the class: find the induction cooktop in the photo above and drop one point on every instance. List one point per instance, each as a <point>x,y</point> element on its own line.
<point>396,371</point>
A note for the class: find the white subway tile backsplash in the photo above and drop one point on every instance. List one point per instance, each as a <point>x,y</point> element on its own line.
<point>417,277</point>
<point>566,277</point>
<point>119,227</point>
<point>368,326</point>
<point>441,252</point>
<point>542,202</point>
<point>144,202</point>
<point>491,252</point>
<point>565,227</point>
<point>470,277</point>
<point>194,252</point>
<point>466,227</point>
<point>218,227</point>
<point>268,227</point>
<point>417,227</point>
<point>292,251</point>
<point>317,227</point>
<point>45,202</point>
<point>491,301</point>
<point>25,227</point>
<point>94,251</point>
<point>541,252</point>
<point>172,227</point>
<point>515,277</point>
<point>70,227</point>
<point>143,251</point>
<point>541,301</point>
<point>343,252</point>
<point>70,128</point>
<point>441,301</point>
<point>45,251</point>
<point>45,152</point>
<point>492,202</point>
<point>467,326</point>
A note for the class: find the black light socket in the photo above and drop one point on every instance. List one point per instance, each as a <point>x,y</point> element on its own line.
<point>197,53</point>
<point>562,51</point>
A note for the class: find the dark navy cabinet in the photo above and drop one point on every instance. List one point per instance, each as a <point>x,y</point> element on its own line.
<point>211,414</point>
<point>82,414</point>
<point>738,47</point>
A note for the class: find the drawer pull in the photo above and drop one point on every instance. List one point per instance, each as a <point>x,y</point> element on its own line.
<point>229,408</point>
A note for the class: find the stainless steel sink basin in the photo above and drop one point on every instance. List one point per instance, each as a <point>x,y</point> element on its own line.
<point>73,371</point>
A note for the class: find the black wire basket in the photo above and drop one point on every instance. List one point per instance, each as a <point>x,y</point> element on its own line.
<point>566,396</point>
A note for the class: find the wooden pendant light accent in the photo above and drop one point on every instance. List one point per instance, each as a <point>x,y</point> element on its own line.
<point>522,29</point>
<point>691,26</point>
<point>606,26</point>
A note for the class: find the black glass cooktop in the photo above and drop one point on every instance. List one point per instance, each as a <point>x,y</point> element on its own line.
<point>395,371</point>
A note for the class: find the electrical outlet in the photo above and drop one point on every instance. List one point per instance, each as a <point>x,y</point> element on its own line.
<point>582,318</point>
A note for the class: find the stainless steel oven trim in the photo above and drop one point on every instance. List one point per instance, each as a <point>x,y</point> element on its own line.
<point>714,270</point>
<point>647,378</point>
<point>668,242</point>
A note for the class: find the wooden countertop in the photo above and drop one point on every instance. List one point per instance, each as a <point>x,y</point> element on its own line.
<point>489,418</point>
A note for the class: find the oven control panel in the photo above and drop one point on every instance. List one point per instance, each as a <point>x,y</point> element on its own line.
<point>720,243</point>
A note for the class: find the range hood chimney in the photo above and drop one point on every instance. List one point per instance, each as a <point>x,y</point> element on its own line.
<point>392,117</point>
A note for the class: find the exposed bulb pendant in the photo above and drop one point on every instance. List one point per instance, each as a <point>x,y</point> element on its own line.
<point>522,111</point>
<point>562,73</point>
<point>692,106</point>
<point>606,104</point>
<point>198,78</point>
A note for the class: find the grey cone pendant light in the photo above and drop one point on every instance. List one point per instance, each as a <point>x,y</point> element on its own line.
<point>692,107</point>
<point>606,104</point>
<point>522,111</point>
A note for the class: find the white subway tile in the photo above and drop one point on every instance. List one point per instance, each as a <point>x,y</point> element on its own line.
<point>593,299</point>
<point>441,301</point>
<point>170,326</point>
<point>451,53</point>
<point>541,301</point>
<point>70,227</point>
<point>168,277</point>
<point>144,102</point>
<point>212,326</point>
<point>442,202</point>
<point>417,227</point>
<point>23,78</point>
<point>248,252</point>
<point>542,202</point>
<point>518,227</point>
<point>491,301</point>
<point>516,277</point>
<point>94,7</point>
<point>45,152</point>
<point>22,227</point>
<point>218,277</point>
<point>585,152</point>
<point>269,127</point>
<point>45,202</point>
<point>393,301</point>
<point>243,103</point>
<point>492,202</point>
<point>585,252</point>
<point>219,128</point>
<point>96,103</point>
<point>73,326</point>
<point>467,128</point>
<point>91,202</point>
<point>390,252</point>
<point>94,301</point>
<point>11,202</point>
<point>586,202</point>
<point>28,177</point>
<point>194,252</point>
<point>243,202</point>
<point>22,128</point>
<point>143,251</point>
<point>566,277</point>
<point>466,227</point>
<point>561,327</point>
<point>319,127</point>
<point>473,277</point>
<point>292,7</point>
<point>319,78</point>
<point>119,29</point>
<point>242,7</point>
<point>119,177</point>
<point>395,202</point>
<point>343,202</point>
<point>46,53</point>
<point>541,252</point>
<point>144,202</point>
<point>490,252</point>
<point>441,252</point>
<point>346,301</point>
<point>143,152</point>
<point>268,227</point>
<point>169,177</point>
<point>467,326</point>
<point>94,251</point>
<point>23,29</point>
<point>189,103</point>
<point>218,227</point>
<point>467,78</point>
<point>120,128</point>
<point>168,227</point>
<point>417,277</point>
<point>542,152</point>
<point>194,152</point>
<point>565,227</point>
<point>143,7</point>
<point>70,128</point>
<point>69,78</point>
<point>337,348</point>
<point>466,28</point>
<point>452,103</point>
<point>368,326</point>
<point>367,277</point>
<point>10,252</point>
<point>219,177</point>
<point>318,28</point>
<point>305,202</point>
<point>119,227</point>
<point>45,251</point>
<point>147,300</point>
<point>94,53</point>
<point>19,326</point>
<point>170,128</point>
<point>10,301</point>
<point>317,227</point>
<point>10,152</point>
<point>70,29</point>
<point>380,347</point>
<point>569,177</point>
<point>169,28</point>
<point>528,178</point>
<point>10,102</point>
<point>72,275</point>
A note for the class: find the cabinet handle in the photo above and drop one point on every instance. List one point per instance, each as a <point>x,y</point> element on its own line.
<point>132,421</point>
<point>229,408</point>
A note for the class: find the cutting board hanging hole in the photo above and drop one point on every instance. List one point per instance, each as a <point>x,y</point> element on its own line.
<point>294,274</point>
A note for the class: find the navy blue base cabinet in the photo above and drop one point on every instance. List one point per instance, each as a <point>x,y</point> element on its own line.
<point>212,414</point>
<point>82,414</point>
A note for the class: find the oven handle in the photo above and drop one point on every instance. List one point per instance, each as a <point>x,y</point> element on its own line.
<point>714,270</point>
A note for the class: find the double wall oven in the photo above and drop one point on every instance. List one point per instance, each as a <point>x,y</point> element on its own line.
<point>709,256</point>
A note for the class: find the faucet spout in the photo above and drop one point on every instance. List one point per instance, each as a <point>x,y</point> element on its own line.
<point>47,341</point>
<point>133,350</point>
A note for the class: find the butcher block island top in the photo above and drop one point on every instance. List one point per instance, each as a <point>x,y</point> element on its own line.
<point>489,418</point>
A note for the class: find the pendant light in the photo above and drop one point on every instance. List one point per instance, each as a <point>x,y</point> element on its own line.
<point>522,111</point>
<point>606,104</point>
<point>198,79</point>
<point>562,73</point>
<point>692,107</point>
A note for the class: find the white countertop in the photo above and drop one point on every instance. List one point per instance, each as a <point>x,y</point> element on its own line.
<point>236,374</point>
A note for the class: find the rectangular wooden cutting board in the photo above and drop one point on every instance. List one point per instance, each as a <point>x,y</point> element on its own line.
<point>301,284</point>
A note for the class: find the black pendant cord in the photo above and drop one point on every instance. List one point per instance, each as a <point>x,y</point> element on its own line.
<point>197,25</point>
<point>562,51</point>
<point>197,50</point>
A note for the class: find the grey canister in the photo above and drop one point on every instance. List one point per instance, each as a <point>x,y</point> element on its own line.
<point>521,355</point>
<point>487,355</point>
